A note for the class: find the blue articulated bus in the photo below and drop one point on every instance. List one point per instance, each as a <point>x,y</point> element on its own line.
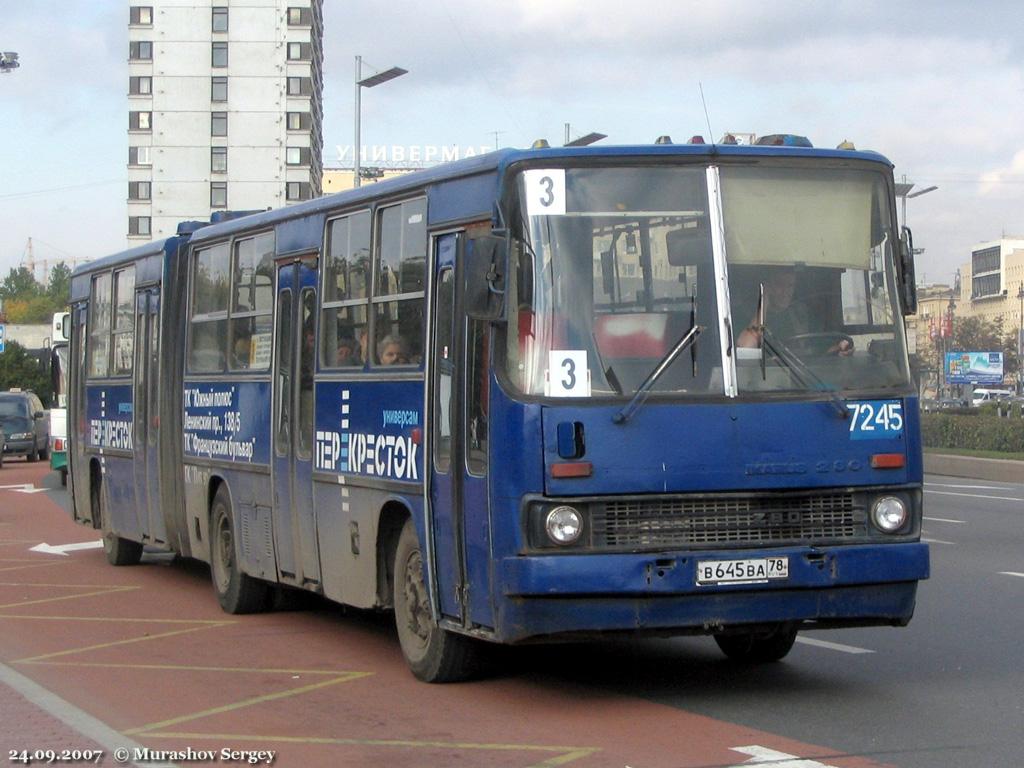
<point>529,396</point>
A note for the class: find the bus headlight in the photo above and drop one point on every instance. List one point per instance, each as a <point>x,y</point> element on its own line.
<point>563,525</point>
<point>889,513</point>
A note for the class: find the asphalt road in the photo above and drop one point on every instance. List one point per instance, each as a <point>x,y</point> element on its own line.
<point>945,691</point>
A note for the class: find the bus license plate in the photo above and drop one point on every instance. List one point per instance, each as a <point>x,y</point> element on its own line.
<point>754,571</point>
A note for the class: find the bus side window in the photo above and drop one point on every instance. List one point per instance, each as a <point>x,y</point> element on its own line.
<point>284,377</point>
<point>307,361</point>
<point>477,353</point>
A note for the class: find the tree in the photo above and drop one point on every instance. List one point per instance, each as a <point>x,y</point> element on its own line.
<point>36,310</point>
<point>20,369</point>
<point>20,283</point>
<point>59,288</point>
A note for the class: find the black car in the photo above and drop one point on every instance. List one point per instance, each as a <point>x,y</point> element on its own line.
<point>25,426</point>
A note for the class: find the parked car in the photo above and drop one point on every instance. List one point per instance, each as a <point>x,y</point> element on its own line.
<point>25,426</point>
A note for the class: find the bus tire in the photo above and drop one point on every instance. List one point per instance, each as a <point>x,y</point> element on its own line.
<point>758,647</point>
<point>237,592</point>
<point>434,654</point>
<point>119,551</point>
<point>63,476</point>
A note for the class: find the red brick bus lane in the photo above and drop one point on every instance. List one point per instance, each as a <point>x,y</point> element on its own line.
<point>145,653</point>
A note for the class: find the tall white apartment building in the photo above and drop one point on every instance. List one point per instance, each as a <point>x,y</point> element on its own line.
<point>225,108</point>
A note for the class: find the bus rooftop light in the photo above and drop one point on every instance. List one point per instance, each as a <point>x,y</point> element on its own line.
<point>663,139</point>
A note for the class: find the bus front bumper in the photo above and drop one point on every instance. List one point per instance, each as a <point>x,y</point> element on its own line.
<point>548,596</point>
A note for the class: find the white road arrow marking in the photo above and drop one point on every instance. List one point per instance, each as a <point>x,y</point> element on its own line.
<point>63,549</point>
<point>770,758</point>
<point>24,488</point>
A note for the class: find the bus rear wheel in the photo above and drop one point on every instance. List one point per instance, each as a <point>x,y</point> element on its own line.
<point>119,551</point>
<point>434,654</point>
<point>237,592</point>
<point>758,647</point>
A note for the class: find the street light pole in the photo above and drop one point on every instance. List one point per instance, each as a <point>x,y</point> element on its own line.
<point>367,82</point>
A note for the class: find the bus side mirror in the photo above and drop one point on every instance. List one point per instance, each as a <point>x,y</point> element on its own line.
<point>483,270</point>
<point>908,280</point>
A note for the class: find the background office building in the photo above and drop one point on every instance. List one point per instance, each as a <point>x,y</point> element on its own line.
<point>224,108</point>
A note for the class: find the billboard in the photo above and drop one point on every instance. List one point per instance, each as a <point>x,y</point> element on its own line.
<point>974,367</point>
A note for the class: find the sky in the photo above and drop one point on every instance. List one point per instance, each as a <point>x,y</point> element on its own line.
<point>936,86</point>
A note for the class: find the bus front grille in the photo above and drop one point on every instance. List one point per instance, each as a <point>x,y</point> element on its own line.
<point>728,520</point>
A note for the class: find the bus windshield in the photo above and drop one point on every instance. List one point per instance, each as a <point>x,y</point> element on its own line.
<point>612,267</point>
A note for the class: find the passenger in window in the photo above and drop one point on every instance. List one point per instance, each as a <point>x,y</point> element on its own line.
<point>240,353</point>
<point>784,317</point>
<point>347,354</point>
<point>392,351</point>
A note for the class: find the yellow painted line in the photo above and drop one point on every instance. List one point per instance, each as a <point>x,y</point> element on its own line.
<point>565,754</point>
<point>115,643</point>
<point>68,586</point>
<point>144,729</point>
<point>106,591</point>
<point>117,619</point>
<point>193,668</point>
<point>35,565</point>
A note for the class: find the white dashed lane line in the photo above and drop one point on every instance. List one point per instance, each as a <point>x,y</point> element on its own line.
<point>831,646</point>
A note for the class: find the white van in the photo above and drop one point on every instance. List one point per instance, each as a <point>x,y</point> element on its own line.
<point>982,395</point>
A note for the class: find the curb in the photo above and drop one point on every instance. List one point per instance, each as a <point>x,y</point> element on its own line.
<point>1000,470</point>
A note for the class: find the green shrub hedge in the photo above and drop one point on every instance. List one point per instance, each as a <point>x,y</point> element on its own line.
<point>978,430</point>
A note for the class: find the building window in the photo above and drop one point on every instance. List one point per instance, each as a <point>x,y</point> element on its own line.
<point>140,50</point>
<point>219,159</point>
<point>140,86</point>
<point>300,17</point>
<point>139,190</point>
<point>300,86</point>
<point>297,156</point>
<point>218,194</point>
<point>220,19</point>
<point>300,52</point>
<point>219,55</point>
<point>139,156</point>
<point>985,260</point>
<point>140,121</point>
<point>138,225</point>
<point>218,123</point>
<point>140,15</point>
<point>299,121</point>
<point>298,190</point>
<point>218,89</point>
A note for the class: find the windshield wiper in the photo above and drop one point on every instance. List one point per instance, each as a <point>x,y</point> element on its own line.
<point>644,389</point>
<point>799,369</point>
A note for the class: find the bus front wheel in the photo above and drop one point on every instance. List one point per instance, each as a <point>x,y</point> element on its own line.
<point>237,592</point>
<point>434,654</point>
<point>758,647</point>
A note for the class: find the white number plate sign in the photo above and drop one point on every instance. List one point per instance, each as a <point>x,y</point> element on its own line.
<point>545,192</point>
<point>568,374</point>
<point>754,571</point>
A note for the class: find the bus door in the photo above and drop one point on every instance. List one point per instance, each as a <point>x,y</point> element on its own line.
<point>77,463</point>
<point>295,527</point>
<point>458,517</point>
<point>146,415</point>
